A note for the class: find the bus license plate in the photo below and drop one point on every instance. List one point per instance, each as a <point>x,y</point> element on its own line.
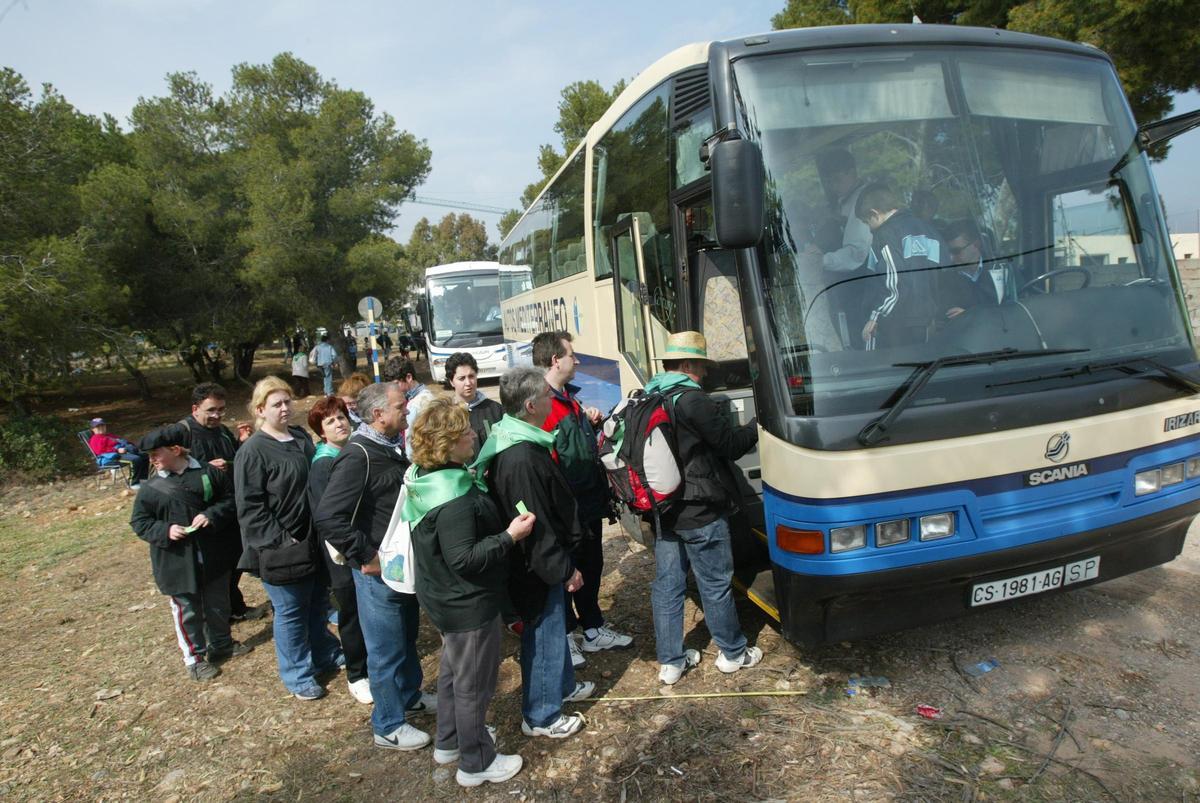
<point>1036,582</point>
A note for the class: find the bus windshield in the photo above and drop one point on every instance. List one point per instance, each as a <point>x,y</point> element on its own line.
<point>464,309</point>
<point>932,202</point>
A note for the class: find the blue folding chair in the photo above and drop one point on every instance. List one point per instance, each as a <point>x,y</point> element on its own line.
<point>122,468</point>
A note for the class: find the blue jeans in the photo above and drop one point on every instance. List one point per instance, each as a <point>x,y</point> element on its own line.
<point>389,623</point>
<point>706,549</point>
<point>304,647</point>
<point>327,374</point>
<point>547,675</point>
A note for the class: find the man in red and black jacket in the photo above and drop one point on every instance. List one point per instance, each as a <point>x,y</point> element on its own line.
<point>575,446</point>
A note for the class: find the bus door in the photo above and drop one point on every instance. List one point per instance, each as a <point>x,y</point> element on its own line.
<point>716,312</point>
<point>632,296</point>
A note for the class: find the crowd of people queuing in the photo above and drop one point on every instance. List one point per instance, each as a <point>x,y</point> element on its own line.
<point>506,503</point>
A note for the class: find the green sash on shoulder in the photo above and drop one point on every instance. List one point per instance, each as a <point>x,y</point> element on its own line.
<point>427,491</point>
<point>506,432</point>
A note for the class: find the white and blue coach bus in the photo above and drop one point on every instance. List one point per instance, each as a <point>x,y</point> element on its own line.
<point>1037,429</point>
<point>461,312</point>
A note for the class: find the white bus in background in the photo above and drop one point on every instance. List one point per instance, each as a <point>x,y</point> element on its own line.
<point>462,313</point>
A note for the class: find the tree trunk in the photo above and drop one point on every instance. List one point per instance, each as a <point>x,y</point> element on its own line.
<point>243,360</point>
<point>191,358</point>
<point>143,384</point>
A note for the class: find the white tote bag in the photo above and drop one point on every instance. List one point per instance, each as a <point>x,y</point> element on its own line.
<point>396,551</point>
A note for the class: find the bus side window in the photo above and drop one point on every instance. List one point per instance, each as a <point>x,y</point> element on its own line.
<point>721,321</point>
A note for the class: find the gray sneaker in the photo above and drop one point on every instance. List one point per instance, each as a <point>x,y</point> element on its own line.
<point>202,670</point>
<point>236,650</point>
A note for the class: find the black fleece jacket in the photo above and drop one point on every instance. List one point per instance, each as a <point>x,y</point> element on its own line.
<point>708,443</point>
<point>373,472</point>
<point>527,473</point>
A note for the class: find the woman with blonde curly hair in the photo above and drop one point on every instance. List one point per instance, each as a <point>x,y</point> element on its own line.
<point>348,392</point>
<point>271,480</point>
<point>460,546</point>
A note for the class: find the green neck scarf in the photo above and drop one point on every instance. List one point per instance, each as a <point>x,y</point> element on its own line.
<point>668,380</point>
<point>325,449</point>
<point>506,432</point>
<point>430,490</point>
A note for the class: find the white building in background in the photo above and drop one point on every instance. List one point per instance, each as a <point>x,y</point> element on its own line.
<point>1186,245</point>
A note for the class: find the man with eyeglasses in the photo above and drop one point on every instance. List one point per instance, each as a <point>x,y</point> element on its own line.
<point>976,281</point>
<point>211,442</point>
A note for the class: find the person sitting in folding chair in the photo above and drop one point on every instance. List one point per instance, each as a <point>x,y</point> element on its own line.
<point>112,451</point>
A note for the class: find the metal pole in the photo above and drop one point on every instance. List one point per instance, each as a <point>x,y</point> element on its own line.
<point>374,345</point>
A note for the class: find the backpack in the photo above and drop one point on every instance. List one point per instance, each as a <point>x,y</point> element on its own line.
<point>639,453</point>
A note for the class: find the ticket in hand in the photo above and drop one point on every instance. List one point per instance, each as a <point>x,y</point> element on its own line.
<point>521,508</point>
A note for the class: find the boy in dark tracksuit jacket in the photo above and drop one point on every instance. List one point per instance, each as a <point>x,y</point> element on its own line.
<point>906,253</point>
<point>186,512</point>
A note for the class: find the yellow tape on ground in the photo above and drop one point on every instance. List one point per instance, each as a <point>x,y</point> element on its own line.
<point>707,696</point>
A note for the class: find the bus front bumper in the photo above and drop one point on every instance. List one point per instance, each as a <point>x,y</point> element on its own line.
<point>815,609</point>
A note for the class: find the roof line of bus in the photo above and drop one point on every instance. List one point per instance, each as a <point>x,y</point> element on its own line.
<point>461,267</point>
<point>696,54</point>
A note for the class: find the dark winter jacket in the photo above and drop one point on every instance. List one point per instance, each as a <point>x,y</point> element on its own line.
<point>525,472</point>
<point>181,567</point>
<point>375,476</point>
<point>461,549</point>
<point>319,473</point>
<point>578,454</point>
<point>271,478</point>
<point>484,412</point>
<point>708,443</point>
<point>206,444</point>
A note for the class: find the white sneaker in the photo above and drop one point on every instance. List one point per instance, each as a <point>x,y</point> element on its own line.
<point>577,659</point>
<point>361,690</point>
<point>450,756</point>
<point>749,658</point>
<point>501,769</point>
<point>670,674</point>
<point>566,725</point>
<point>583,688</point>
<point>605,639</point>
<point>427,704</point>
<point>405,737</point>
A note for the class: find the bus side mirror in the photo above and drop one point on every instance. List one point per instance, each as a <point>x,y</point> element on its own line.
<point>738,187</point>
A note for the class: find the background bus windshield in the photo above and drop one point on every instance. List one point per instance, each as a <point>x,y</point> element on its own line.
<point>464,310</point>
<point>945,201</point>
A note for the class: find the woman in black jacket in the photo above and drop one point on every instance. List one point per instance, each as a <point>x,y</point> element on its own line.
<point>460,549</point>
<point>271,478</point>
<point>329,419</point>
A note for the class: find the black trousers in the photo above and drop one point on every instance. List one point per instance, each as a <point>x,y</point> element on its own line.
<point>350,630</point>
<point>583,606</point>
<point>237,603</point>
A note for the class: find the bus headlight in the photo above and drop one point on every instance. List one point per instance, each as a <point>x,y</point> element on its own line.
<point>1193,467</point>
<point>1147,482</point>
<point>844,539</point>
<point>891,532</point>
<point>938,525</point>
<point>1171,475</point>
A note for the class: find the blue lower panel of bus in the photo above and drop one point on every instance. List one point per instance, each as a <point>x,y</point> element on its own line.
<point>1001,529</point>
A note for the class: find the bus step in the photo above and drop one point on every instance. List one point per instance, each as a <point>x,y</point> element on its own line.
<point>760,589</point>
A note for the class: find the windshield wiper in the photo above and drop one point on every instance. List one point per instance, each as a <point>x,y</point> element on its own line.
<point>1173,376</point>
<point>875,431</point>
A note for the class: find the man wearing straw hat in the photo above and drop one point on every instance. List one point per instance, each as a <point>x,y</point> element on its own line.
<point>695,529</point>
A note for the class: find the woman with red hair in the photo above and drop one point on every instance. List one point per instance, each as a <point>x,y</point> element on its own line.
<point>329,418</point>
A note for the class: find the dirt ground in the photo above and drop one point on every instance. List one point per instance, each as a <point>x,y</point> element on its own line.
<point>1095,695</point>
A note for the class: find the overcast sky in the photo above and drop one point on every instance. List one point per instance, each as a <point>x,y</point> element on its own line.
<point>479,81</point>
